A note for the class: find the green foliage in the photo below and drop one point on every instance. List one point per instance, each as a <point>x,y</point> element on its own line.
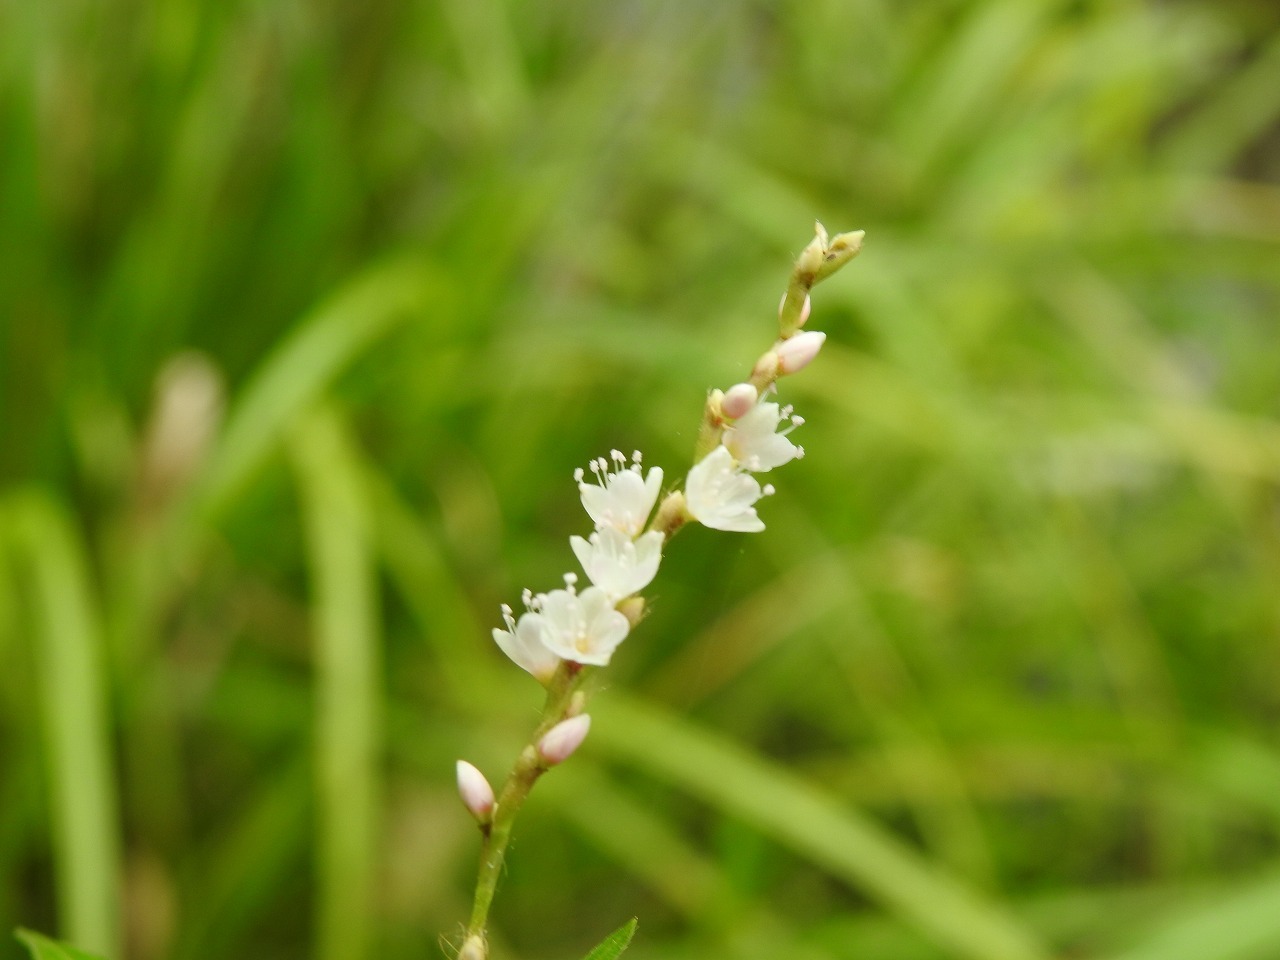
<point>42,948</point>
<point>615,943</point>
<point>308,312</point>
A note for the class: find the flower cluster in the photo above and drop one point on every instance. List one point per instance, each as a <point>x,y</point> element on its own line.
<point>621,556</point>
<point>720,491</point>
<point>620,560</point>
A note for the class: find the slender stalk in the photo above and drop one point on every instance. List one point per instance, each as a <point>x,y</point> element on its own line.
<point>529,766</point>
<point>819,260</point>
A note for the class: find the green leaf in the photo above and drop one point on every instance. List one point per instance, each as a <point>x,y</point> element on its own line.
<point>817,825</point>
<point>42,948</point>
<point>612,946</point>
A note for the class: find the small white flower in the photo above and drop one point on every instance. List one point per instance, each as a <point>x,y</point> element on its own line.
<point>522,642</point>
<point>755,441</point>
<point>620,497</point>
<point>617,564</point>
<point>582,627</point>
<point>721,495</point>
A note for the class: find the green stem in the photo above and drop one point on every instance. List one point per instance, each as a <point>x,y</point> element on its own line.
<point>528,768</point>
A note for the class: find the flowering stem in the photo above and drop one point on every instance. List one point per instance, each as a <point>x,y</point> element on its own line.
<point>562,628</point>
<point>528,768</point>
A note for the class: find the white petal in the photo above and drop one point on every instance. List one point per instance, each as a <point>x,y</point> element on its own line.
<point>625,499</point>
<point>754,441</point>
<point>526,649</point>
<point>584,628</point>
<point>615,563</point>
<point>718,494</point>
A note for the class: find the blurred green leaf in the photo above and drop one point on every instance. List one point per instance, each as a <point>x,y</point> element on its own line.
<point>808,820</point>
<point>77,735</point>
<point>42,948</point>
<point>348,699</point>
<point>304,364</point>
<point>1241,923</point>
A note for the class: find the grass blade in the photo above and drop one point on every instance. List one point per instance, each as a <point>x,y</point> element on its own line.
<point>1241,925</point>
<point>305,363</point>
<point>79,764</point>
<point>335,516</point>
<point>815,825</point>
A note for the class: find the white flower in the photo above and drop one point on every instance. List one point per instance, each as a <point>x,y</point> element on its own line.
<point>522,642</point>
<point>617,564</point>
<point>755,441</point>
<point>582,627</point>
<point>620,498</point>
<point>721,495</point>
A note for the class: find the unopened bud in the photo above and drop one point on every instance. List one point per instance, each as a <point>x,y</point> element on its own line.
<point>797,352</point>
<point>804,309</point>
<point>766,368</point>
<point>558,744</point>
<point>843,248</point>
<point>738,400</point>
<point>477,795</point>
<point>810,260</point>
<point>474,948</point>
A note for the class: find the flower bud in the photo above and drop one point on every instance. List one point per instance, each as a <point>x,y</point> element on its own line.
<point>558,744</point>
<point>739,399</point>
<point>766,367</point>
<point>796,352</point>
<point>477,795</point>
<point>474,948</point>
<point>633,609</point>
<point>805,308</point>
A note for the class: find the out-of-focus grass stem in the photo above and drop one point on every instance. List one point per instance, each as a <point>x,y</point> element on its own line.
<point>83,807</point>
<point>344,625</point>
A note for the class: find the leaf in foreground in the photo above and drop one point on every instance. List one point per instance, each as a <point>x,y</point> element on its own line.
<point>612,946</point>
<point>42,948</point>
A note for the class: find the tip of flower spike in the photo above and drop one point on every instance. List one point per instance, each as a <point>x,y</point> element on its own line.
<point>473,788</point>
<point>559,743</point>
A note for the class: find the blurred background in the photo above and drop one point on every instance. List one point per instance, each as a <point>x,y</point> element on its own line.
<point>310,310</point>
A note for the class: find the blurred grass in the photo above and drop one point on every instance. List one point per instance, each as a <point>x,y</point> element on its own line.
<point>1014,615</point>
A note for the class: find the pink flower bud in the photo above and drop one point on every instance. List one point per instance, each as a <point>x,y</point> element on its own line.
<point>477,795</point>
<point>565,737</point>
<point>804,308</point>
<point>804,311</point>
<point>796,352</point>
<point>739,399</point>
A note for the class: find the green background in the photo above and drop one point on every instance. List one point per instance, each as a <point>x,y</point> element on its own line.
<point>309,310</point>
